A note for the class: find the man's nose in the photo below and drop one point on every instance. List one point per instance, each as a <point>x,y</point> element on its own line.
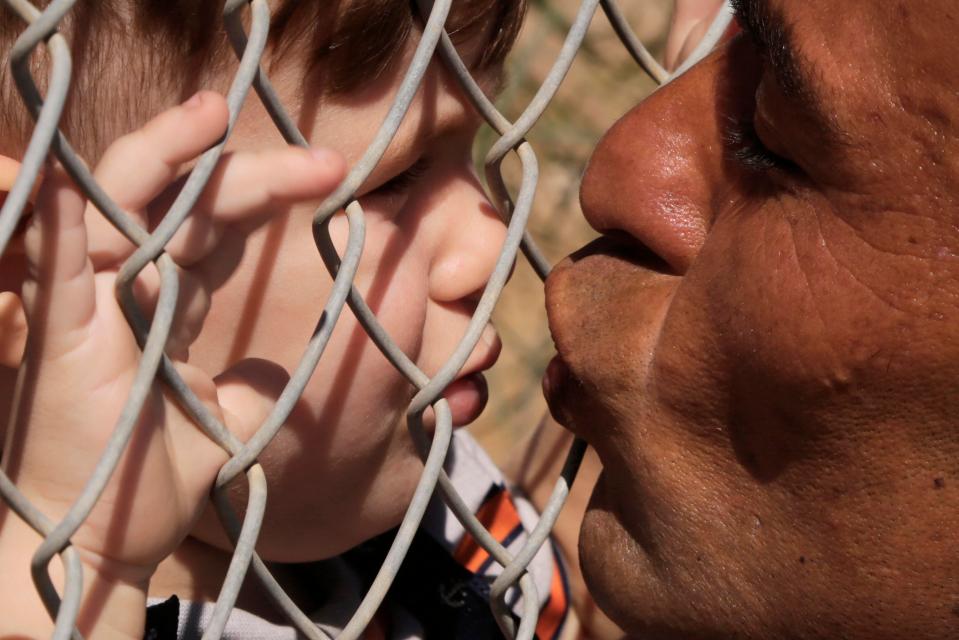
<point>470,244</point>
<point>661,172</point>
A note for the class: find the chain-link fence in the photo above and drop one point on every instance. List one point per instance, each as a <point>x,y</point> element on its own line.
<point>41,31</point>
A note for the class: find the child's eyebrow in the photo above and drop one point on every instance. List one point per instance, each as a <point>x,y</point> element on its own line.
<point>492,79</point>
<point>499,81</point>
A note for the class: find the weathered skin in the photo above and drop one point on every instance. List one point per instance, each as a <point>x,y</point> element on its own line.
<point>767,360</point>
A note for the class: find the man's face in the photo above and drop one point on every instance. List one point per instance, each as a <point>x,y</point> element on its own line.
<point>764,349</point>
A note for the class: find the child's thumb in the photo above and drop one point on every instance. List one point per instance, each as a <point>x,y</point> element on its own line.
<point>247,393</point>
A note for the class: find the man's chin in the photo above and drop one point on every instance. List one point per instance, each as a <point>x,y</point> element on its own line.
<point>621,578</point>
<point>614,565</point>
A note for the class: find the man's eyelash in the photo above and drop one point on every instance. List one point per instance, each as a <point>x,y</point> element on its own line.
<point>403,181</point>
<point>743,144</point>
<point>740,8</point>
<point>751,21</point>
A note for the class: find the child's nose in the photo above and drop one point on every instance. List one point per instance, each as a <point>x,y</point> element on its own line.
<point>660,172</point>
<point>470,245</point>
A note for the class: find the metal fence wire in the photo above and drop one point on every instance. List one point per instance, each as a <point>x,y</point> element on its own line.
<point>41,30</point>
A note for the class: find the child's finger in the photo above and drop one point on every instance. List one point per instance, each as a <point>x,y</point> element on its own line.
<point>139,165</point>
<point>245,186</point>
<point>242,397</point>
<point>193,303</point>
<point>690,21</point>
<point>59,292</point>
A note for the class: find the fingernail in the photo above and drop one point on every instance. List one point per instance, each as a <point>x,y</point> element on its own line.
<point>323,155</point>
<point>195,101</point>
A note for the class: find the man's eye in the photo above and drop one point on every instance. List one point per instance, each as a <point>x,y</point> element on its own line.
<point>401,182</point>
<point>744,145</point>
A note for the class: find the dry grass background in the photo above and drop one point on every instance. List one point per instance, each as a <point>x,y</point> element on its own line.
<point>603,83</point>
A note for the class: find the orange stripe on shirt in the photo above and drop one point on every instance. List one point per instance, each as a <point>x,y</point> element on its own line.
<point>499,516</point>
<point>554,611</point>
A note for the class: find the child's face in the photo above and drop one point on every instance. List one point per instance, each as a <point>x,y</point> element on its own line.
<point>344,468</point>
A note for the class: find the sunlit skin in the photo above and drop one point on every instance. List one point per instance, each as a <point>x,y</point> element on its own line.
<point>689,22</point>
<point>429,250</point>
<point>343,467</point>
<point>763,349</point>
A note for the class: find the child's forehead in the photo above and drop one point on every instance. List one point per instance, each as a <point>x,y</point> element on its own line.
<point>440,121</point>
<point>349,44</point>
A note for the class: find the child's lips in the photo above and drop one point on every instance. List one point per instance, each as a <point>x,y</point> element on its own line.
<point>467,397</point>
<point>485,354</point>
<point>468,394</point>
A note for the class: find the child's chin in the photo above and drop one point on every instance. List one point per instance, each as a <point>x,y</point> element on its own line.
<point>467,398</point>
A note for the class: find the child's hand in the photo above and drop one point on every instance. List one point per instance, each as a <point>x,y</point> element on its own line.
<point>81,356</point>
<point>691,19</point>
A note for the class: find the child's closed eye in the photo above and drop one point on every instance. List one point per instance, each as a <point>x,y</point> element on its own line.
<point>402,182</point>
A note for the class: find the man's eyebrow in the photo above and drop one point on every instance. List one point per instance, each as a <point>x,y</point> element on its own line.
<point>774,38</point>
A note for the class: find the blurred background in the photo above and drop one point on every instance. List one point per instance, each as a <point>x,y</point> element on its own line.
<point>603,83</point>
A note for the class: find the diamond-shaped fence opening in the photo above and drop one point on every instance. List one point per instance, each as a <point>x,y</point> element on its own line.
<point>40,30</point>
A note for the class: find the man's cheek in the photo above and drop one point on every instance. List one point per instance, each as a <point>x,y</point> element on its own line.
<point>747,346</point>
<point>773,342</point>
<point>768,297</point>
<point>818,310</point>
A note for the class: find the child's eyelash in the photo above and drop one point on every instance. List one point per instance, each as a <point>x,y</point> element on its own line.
<point>744,145</point>
<point>403,181</point>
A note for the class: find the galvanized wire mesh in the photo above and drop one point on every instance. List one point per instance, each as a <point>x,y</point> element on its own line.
<point>41,30</point>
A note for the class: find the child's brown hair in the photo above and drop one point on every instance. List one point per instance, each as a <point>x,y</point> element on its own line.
<point>346,43</point>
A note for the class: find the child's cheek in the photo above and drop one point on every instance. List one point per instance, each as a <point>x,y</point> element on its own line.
<point>393,278</point>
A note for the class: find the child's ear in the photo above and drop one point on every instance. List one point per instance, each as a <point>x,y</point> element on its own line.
<point>8,172</point>
<point>13,321</point>
<point>9,168</point>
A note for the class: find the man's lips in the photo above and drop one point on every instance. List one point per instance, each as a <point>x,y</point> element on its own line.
<point>589,288</point>
<point>623,247</point>
<point>605,304</point>
<point>557,387</point>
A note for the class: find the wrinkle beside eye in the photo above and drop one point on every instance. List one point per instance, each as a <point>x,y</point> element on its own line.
<point>829,224</point>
